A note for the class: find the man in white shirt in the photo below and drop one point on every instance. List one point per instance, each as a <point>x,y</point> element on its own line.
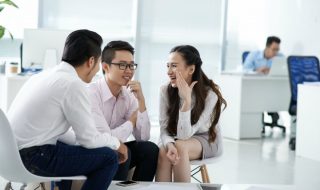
<point>52,101</point>
<point>118,107</point>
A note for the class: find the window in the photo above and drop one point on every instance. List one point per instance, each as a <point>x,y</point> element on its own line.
<point>165,24</point>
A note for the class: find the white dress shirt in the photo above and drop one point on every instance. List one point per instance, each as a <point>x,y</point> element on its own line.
<point>184,128</point>
<point>48,104</point>
<point>112,114</point>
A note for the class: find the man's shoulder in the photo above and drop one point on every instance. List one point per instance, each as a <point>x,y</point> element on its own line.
<point>95,92</point>
<point>53,79</point>
<point>93,86</point>
<point>68,84</point>
<point>256,53</point>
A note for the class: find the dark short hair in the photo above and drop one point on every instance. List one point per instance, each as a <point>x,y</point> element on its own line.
<point>109,50</point>
<point>80,45</point>
<point>272,39</point>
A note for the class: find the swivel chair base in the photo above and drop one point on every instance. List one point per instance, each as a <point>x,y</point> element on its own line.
<point>292,143</point>
<point>274,122</point>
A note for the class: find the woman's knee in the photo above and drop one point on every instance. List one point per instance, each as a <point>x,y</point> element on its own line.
<point>162,154</point>
<point>181,147</point>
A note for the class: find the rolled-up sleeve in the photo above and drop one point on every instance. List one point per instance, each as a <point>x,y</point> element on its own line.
<point>142,130</point>
<point>163,118</point>
<point>218,142</point>
<point>122,132</point>
<point>185,130</point>
<point>77,109</point>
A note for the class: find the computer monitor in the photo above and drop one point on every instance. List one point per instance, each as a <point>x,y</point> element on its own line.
<point>43,46</point>
<point>279,67</point>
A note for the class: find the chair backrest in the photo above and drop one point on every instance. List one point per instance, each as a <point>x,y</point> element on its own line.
<point>301,69</point>
<point>244,56</point>
<point>11,166</point>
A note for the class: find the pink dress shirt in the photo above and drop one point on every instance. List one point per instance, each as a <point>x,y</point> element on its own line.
<point>112,114</point>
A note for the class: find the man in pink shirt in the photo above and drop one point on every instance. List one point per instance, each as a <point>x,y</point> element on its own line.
<point>118,107</point>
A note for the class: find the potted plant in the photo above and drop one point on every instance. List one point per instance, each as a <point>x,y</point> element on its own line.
<point>4,3</point>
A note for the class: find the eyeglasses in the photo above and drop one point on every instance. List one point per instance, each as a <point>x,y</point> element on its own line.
<point>124,66</point>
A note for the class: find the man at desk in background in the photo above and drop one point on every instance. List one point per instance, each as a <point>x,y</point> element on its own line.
<point>261,61</point>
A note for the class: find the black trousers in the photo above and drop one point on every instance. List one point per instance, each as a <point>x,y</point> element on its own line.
<point>144,156</point>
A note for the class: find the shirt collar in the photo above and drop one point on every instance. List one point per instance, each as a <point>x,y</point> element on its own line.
<point>64,66</point>
<point>261,55</point>
<point>106,92</point>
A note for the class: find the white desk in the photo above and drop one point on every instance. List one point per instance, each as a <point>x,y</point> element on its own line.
<point>247,97</point>
<point>308,122</point>
<point>194,186</point>
<point>9,87</point>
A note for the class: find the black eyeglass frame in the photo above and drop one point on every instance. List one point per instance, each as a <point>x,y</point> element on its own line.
<point>124,66</point>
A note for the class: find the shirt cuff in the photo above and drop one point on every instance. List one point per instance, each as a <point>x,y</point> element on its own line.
<point>116,144</point>
<point>142,114</point>
<point>142,118</point>
<point>184,116</point>
<point>128,129</point>
<point>166,140</point>
<point>111,141</point>
<point>128,125</point>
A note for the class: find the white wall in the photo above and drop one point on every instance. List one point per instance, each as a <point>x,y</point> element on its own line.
<point>111,19</point>
<point>296,22</point>
<point>15,20</point>
<point>162,24</point>
<point>165,23</point>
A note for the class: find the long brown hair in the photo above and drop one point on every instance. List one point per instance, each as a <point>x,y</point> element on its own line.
<point>201,89</point>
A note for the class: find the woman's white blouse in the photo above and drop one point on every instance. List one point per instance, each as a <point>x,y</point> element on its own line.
<point>184,129</point>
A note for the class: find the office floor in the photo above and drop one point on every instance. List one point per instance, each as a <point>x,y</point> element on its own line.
<point>260,161</point>
<point>263,161</point>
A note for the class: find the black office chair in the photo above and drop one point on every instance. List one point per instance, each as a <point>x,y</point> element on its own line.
<point>301,69</point>
<point>274,115</point>
<point>274,122</point>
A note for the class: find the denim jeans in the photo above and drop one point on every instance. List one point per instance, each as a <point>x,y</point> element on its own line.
<point>99,165</point>
<point>144,156</point>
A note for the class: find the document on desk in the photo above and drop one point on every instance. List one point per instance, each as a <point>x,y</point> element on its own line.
<point>312,83</point>
<point>247,187</point>
<point>258,188</point>
<point>171,187</point>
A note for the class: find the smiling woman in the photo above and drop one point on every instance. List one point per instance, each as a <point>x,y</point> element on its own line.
<point>2,6</point>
